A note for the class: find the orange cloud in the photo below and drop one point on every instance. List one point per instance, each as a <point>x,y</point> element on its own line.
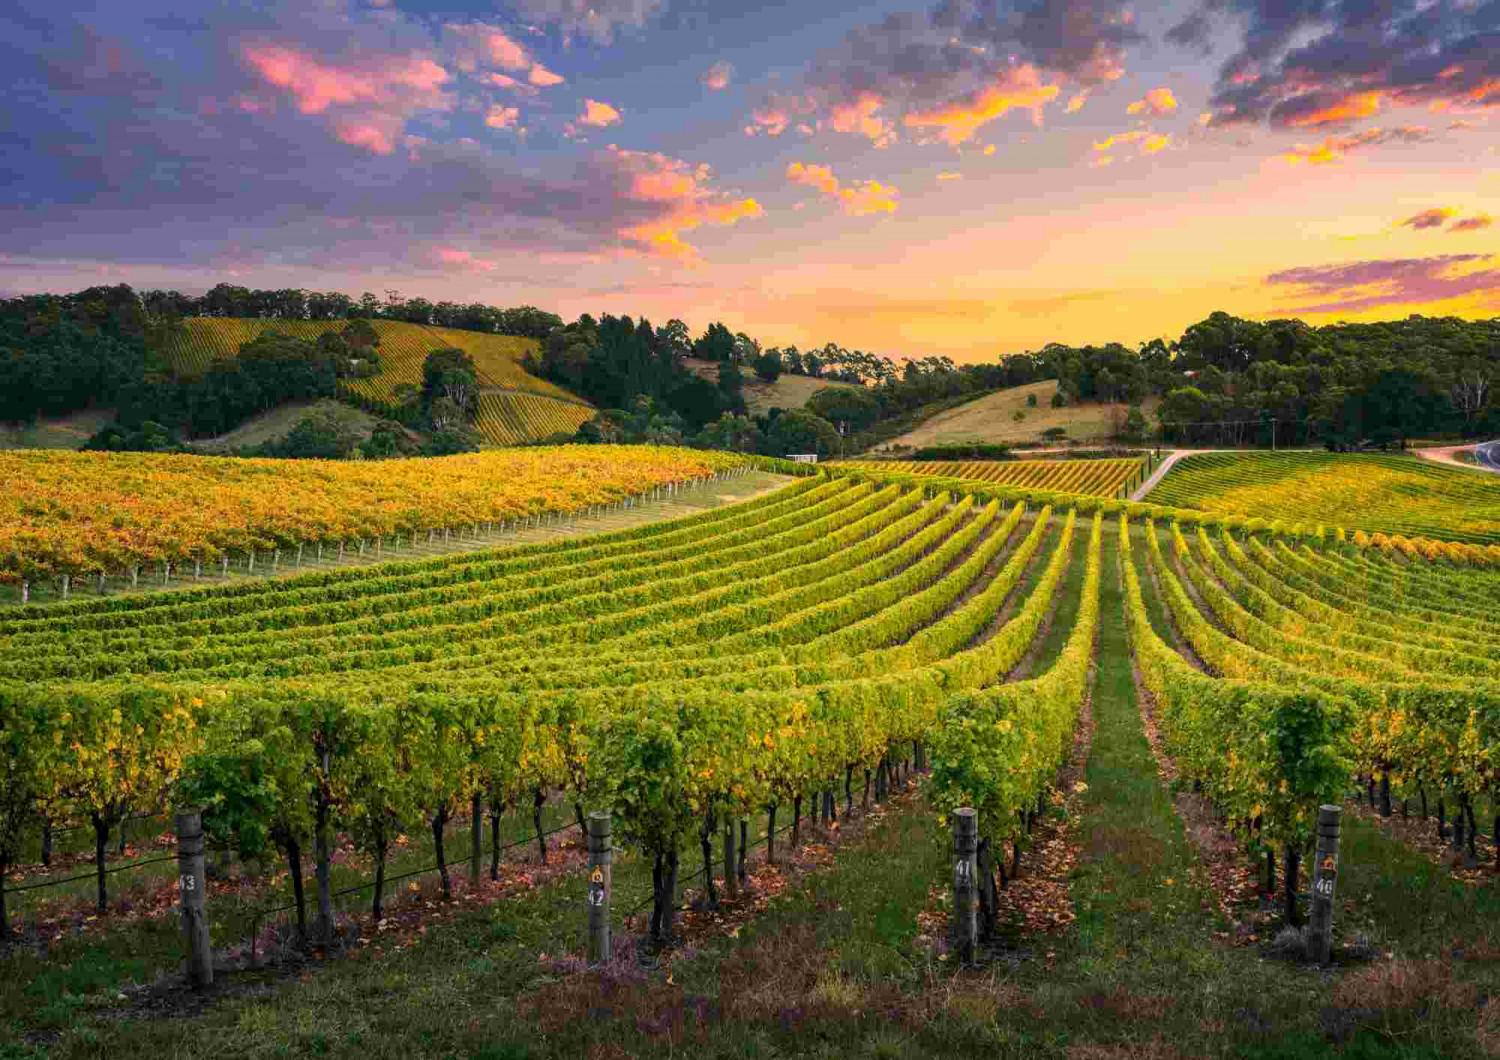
<point>1358,105</point>
<point>950,176</point>
<point>1206,117</point>
<point>1021,87</point>
<point>598,114</point>
<point>317,85</point>
<point>1156,143</point>
<point>1121,138</point>
<point>1335,148</point>
<point>1101,160</point>
<point>989,149</point>
<point>858,199</point>
<point>680,191</point>
<point>1076,103</point>
<point>1157,101</point>
<point>1473,101</point>
<point>1433,218</point>
<point>595,114</point>
<point>859,117</point>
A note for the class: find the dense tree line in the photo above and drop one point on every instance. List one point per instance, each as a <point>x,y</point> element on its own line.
<point>229,300</point>
<point>1226,381</point>
<point>59,353</point>
<point>1230,381</point>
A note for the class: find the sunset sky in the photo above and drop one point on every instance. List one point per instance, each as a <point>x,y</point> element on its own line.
<point>969,178</point>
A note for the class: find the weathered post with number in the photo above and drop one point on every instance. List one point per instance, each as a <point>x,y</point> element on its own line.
<point>599,885</point>
<point>1325,875</point>
<point>200,965</point>
<point>965,841</point>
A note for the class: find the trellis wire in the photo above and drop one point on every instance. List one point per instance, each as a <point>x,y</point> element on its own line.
<point>263,913</point>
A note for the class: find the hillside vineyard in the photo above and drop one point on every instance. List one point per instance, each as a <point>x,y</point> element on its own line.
<point>759,653</point>
<point>514,405</point>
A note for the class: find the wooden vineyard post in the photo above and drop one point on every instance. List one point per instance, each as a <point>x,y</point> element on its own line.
<point>599,886</point>
<point>965,924</point>
<point>200,966</point>
<point>1325,874</point>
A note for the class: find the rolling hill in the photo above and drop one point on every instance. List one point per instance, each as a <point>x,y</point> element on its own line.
<point>788,392</point>
<point>515,406</point>
<point>992,419</point>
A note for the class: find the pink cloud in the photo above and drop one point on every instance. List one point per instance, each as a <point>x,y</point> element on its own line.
<point>1076,103</point>
<point>681,197</point>
<point>717,76</point>
<point>777,113</point>
<point>317,85</point>
<point>366,135</point>
<point>462,259</point>
<point>502,117</point>
<point>859,117</point>
<point>521,87</point>
<point>489,44</point>
<point>1158,101</point>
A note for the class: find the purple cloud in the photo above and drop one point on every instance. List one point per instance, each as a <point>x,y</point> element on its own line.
<point>1472,224</point>
<point>967,62</point>
<point>1410,281</point>
<point>283,135</point>
<point>1363,57</point>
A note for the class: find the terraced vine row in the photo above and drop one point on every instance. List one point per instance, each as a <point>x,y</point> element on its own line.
<point>689,672</point>
<point>1089,478</point>
<point>760,653</point>
<point>75,515</point>
<point>1369,492</point>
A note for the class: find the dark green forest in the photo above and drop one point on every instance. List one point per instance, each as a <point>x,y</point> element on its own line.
<point>1225,381</point>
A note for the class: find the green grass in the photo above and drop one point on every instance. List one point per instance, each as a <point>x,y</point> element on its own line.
<point>64,432</point>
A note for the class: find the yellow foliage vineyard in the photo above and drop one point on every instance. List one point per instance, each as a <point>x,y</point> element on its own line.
<point>1089,478</point>
<point>515,405</point>
<point>86,513</point>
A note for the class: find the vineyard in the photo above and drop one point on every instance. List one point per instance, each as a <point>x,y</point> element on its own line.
<point>1089,478</point>
<point>1373,493</point>
<point>515,406</point>
<point>93,515</point>
<point>508,418</point>
<point>763,656</point>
